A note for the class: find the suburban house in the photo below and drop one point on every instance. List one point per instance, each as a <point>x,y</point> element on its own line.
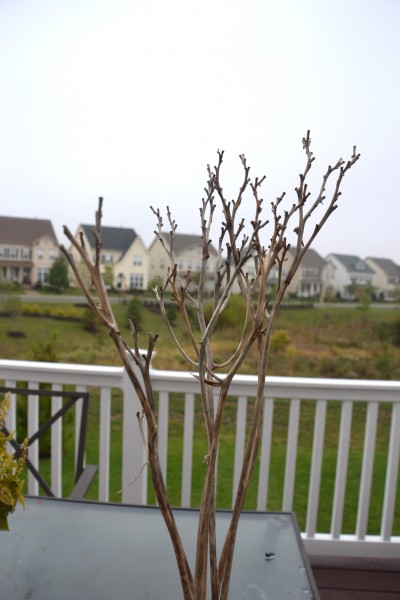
<point>307,281</point>
<point>123,253</point>
<point>28,248</point>
<point>343,270</point>
<point>188,251</point>
<point>386,278</point>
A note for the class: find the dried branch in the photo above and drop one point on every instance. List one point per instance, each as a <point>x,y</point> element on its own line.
<point>266,245</point>
<point>101,307</point>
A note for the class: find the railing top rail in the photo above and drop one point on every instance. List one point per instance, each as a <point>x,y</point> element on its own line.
<point>34,371</point>
<point>301,387</point>
<point>183,381</point>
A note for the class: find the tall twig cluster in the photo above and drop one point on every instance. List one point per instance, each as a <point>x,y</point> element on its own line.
<point>265,244</point>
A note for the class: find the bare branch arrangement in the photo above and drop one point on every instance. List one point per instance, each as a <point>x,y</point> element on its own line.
<point>265,244</point>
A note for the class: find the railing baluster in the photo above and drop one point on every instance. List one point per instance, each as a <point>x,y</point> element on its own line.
<point>216,401</point>
<point>391,475</point>
<point>33,426</point>
<point>78,417</point>
<point>163,412</point>
<point>265,454</point>
<point>341,469</point>
<point>104,444</point>
<point>291,454</point>
<point>187,459</point>
<point>316,466</point>
<point>239,442</point>
<point>56,443</point>
<point>366,472</point>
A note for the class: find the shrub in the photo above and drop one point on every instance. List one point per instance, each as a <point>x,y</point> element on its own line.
<point>11,305</point>
<point>134,312</point>
<point>46,351</point>
<point>233,314</point>
<point>31,309</point>
<point>280,340</point>
<point>389,332</point>
<point>11,484</point>
<point>89,321</point>
<point>59,312</point>
<point>172,314</point>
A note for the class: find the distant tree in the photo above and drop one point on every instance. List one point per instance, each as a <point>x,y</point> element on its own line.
<point>134,312</point>
<point>361,293</point>
<point>58,275</point>
<point>108,276</point>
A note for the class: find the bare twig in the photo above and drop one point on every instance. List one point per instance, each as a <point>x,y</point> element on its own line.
<point>266,245</point>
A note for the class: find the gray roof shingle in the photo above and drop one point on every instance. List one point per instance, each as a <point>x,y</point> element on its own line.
<point>186,241</point>
<point>387,265</point>
<point>23,231</point>
<point>113,238</point>
<point>353,263</point>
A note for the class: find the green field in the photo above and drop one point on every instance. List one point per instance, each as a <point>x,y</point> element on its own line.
<point>326,342</point>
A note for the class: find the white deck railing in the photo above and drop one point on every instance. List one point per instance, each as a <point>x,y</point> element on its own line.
<point>320,396</point>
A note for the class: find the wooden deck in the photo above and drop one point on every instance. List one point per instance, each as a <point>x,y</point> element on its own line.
<point>356,578</point>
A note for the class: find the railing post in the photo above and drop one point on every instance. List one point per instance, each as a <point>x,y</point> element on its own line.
<point>134,477</point>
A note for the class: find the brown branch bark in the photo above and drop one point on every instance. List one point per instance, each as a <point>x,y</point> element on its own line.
<point>236,247</point>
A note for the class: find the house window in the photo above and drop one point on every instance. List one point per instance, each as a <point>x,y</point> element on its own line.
<point>43,275</point>
<point>39,253</point>
<point>136,281</point>
<point>13,253</point>
<point>52,254</point>
<point>106,259</point>
<point>26,253</point>
<point>26,275</point>
<point>138,260</point>
<point>14,273</point>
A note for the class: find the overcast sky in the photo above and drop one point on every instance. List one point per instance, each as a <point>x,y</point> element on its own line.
<point>130,99</point>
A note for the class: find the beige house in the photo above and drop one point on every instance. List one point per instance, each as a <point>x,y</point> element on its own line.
<point>28,248</point>
<point>386,279</point>
<point>123,253</point>
<point>307,281</point>
<point>188,251</point>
